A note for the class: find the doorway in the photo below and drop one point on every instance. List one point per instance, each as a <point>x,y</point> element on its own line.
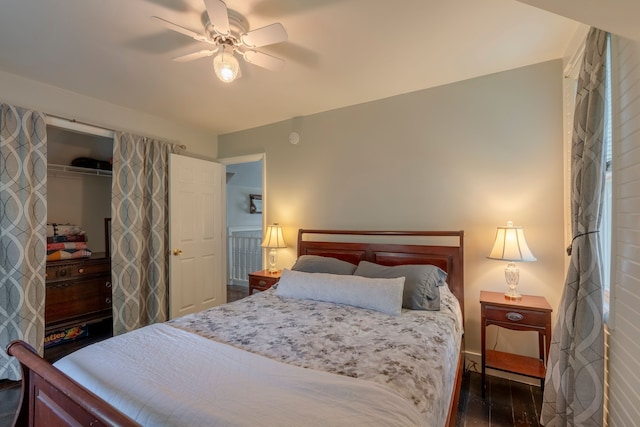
<point>245,197</point>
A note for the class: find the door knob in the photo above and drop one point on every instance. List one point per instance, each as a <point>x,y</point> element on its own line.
<point>177,252</point>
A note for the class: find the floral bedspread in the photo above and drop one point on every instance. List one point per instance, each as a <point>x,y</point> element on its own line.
<point>414,354</point>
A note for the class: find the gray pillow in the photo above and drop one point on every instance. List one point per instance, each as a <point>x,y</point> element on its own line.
<point>323,264</point>
<point>420,286</point>
<point>383,295</point>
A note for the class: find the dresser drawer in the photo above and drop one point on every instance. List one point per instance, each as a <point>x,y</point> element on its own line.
<point>75,269</point>
<point>515,316</point>
<point>105,293</point>
<point>70,299</point>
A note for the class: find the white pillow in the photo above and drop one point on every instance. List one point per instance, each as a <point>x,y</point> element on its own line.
<point>384,295</point>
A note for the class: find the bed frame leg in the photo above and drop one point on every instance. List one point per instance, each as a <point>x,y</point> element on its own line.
<point>22,415</point>
<point>453,405</point>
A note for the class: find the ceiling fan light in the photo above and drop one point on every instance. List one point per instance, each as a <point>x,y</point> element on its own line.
<point>226,65</point>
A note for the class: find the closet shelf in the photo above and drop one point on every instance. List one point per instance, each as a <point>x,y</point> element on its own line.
<point>77,170</point>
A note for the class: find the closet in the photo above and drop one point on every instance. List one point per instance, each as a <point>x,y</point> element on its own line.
<point>78,291</point>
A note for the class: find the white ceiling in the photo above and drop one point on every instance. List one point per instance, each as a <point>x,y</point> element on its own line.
<point>616,16</point>
<point>339,53</point>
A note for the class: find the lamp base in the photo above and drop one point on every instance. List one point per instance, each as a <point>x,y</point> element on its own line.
<point>273,260</point>
<point>512,294</point>
<point>512,276</point>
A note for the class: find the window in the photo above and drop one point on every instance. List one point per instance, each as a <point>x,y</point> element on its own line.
<point>606,226</point>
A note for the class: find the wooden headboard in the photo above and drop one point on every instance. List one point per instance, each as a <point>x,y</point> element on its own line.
<point>392,248</point>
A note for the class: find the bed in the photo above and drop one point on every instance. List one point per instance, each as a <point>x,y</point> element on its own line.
<point>280,357</point>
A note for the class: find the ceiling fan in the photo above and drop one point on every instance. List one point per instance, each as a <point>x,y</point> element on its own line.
<point>226,31</point>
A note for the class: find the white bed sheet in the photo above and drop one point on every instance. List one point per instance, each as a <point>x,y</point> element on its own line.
<point>195,381</point>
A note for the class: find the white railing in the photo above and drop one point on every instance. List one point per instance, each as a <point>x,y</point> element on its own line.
<point>244,253</point>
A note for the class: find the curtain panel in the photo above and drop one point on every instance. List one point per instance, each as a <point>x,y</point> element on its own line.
<point>140,231</point>
<point>23,227</point>
<point>574,388</point>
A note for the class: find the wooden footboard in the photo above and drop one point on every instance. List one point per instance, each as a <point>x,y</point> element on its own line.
<point>50,398</point>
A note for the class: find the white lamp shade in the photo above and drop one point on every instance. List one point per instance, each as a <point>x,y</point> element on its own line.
<point>511,245</point>
<point>273,237</point>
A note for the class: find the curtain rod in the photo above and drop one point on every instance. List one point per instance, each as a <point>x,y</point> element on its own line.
<point>73,124</point>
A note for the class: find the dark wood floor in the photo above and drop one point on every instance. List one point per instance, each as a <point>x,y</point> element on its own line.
<point>507,403</point>
<point>9,397</point>
<point>235,293</point>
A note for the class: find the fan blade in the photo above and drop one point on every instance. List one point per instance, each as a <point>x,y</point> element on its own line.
<point>271,34</point>
<point>195,55</point>
<point>218,15</point>
<point>263,60</point>
<point>182,30</point>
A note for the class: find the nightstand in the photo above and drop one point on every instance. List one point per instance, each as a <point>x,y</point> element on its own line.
<point>530,313</point>
<point>263,280</point>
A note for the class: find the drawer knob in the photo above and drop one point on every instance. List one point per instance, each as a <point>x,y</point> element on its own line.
<point>514,317</point>
<point>63,273</point>
<point>81,270</point>
<point>262,282</point>
<point>108,300</point>
<point>108,284</point>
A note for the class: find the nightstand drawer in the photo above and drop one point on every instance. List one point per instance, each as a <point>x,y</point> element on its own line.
<point>261,284</point>
<point>262,280</point>
<point>515,316</point>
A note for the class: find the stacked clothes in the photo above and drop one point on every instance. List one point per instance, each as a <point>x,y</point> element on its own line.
<point>66,241</point>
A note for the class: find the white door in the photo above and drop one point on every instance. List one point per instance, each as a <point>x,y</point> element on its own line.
<point>196,238</point>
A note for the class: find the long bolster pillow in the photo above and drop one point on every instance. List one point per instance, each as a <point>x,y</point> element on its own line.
<point>383,295</point>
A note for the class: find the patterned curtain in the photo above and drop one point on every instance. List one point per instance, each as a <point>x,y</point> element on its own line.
<point>140,231</point>
<point>574,388</point>
<point>23,227</point>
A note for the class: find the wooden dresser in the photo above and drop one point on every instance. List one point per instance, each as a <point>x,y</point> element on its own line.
<point>78,292</point>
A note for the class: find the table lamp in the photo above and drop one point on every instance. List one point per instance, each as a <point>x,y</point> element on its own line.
<point>510,245</point>
<point>273,239</point>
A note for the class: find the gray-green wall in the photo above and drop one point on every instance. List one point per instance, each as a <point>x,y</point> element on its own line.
<point>470,155</point>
